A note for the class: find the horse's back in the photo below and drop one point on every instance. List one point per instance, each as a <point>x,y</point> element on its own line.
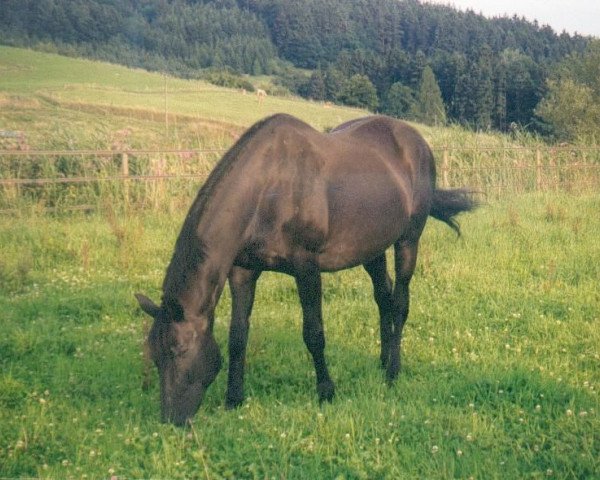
<point>387,135</point>
<point>398,146</point>
<point>340,198</point>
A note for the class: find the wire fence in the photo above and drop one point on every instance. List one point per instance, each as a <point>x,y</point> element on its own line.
<point>66,180</point>
<point>512,170</point>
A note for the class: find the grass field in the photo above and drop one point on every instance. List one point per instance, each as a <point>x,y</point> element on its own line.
<point>63,102</point>
<point>501,350</point>
<point>501,358</point>
<point>69,104</point>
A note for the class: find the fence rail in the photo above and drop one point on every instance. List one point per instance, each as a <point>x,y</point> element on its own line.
<point>57,180</point>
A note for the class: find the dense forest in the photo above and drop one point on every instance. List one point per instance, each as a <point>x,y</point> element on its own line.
<point>405,58</point>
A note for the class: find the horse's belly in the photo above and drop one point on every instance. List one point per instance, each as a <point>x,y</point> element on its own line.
<point>341,258</point>
<point>364,229</point>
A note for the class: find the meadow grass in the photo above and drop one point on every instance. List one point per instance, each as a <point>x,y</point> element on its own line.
<point>79,85</point>
<point>500,357</point>
<point>67,104</point>
<point>501,351</point>
<point>98,99</point>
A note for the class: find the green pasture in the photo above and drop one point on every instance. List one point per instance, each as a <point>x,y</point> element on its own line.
<point>501,353</point>
<point>95,91</point>
<point>68,105</point>
<point>62,102</point>
<point>500,375</point>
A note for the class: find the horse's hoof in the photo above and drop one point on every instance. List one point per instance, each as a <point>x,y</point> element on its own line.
<point>233,403</point>
<point>391,376</point>
<point>326,391</point>
<point>383,363</point>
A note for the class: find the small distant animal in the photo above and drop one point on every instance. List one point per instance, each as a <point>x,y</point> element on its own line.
<point>287,198</point>
<point>261,95</point>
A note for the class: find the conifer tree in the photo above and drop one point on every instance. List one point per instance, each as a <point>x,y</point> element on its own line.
<point>473,97</point>
<point>429,106</point>
<point>483,89</point>
<point>334,81</point>
<point>316,86</point>
<point>499,112</point>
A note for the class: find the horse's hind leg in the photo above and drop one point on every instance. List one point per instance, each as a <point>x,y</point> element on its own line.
<point>382,289</point>
<point>309,289</point>
<point>242,283</point>
<point>405,254</point>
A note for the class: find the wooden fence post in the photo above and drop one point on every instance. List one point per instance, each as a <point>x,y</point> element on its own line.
<point>125,173</point>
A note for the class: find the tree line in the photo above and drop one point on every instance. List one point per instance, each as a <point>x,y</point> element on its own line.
<point>180,37</point>
<point>422,61</point>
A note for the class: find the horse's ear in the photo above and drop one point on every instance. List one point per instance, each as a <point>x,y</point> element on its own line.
<point>147,305</point>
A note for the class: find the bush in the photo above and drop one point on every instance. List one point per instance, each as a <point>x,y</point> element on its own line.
<point>226,78</point>
<point>359,91</point>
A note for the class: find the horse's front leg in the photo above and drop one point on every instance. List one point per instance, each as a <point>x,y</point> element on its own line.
<point>309,289</point>
<point>242,284</point>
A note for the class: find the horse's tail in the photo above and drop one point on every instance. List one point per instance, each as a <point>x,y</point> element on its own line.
<point>447,204</point>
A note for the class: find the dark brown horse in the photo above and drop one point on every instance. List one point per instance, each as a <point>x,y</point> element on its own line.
<point>287,198</point>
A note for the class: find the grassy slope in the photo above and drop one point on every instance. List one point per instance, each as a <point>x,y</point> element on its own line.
<point>73,103</point>
<point>500,372</point>
<point>63,102</point>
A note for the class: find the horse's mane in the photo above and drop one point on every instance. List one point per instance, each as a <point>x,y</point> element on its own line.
<point>190,251</point>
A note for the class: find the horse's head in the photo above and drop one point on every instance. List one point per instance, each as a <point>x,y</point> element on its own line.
<point>186,355</point>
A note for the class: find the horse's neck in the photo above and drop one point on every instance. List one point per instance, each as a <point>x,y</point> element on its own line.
<point>202,293</point>
<point>218,235</point>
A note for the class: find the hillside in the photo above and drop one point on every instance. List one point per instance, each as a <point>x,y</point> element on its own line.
<point>61,102</point>
<point>66,104</point>
<point>490,72</point>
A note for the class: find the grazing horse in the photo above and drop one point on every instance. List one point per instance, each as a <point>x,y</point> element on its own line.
<point>260,95</point>
<point>290,199</point>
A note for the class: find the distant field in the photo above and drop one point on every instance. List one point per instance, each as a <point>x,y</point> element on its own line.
<point>501,358</point>
<point>35,86</point>
<point>65,102</point>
